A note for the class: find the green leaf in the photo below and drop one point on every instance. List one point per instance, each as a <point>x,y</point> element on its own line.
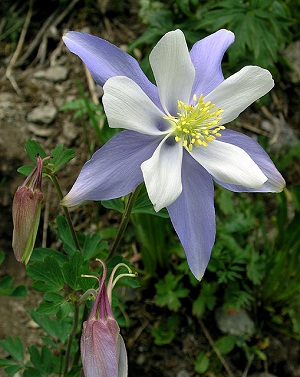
<point>40,253</point>
<point>19,291</point>
<point>202,363</point>
<point>65,234</point>
<point>73,269</point>
<point>7,362</point>
<point>206,299</point>
<point>11,371</point>
<point>169,291</point>
<point>224,199</point>
<point>6,283</point>
<point>51,304</point>
<point>58,329</point>
<point>2,257</point>
<point>42,361</point>
<point>226,344</point>
<point>151,232</point>
<point>13,347</point>
<point>25,170</point>
<point>7,290</point>
<point>144,205</point>
<point>92,246</point>
<point>75,371</point>
<point>31,372</point>
<point>256,267</point>
<point>295,191</point>
<point>33,148</point>
<point>64,310</point>
<point>47,275</point>
<point>164,331</point>
<point>61,157</point>
<point>115,204</point>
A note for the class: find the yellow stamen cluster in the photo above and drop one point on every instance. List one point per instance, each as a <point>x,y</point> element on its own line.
<point>196,124</point>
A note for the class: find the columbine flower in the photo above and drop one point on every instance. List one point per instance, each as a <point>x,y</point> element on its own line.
<point>103,350</point>
<point>26,212</point>
<point>175,139</point>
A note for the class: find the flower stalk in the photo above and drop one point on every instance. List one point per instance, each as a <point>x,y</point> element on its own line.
<point>124,222</point>
<point>65,209</point>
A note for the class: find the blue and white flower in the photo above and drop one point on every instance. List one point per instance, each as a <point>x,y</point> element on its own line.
<point>174,139</point>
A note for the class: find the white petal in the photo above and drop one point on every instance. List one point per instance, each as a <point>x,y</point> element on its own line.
<point>238,91</point>
<point>173,70</point>
<point>162,174</point>
<point>127,106</point>
<point>229,164</point>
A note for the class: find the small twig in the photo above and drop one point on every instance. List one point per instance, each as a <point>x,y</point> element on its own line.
<point>56,53</point>
<point>125,29</point>
<point>267,114</point>
<point>18,50</point>
<point>42,52</point>
<point>250,361</point>
<point>64,13</point>
<point>251,128</point>
<point>218,353</point>
<point>92,86</point>
<point>58,15</point>
<point>92,89</point>
<point>137,334</point>
<point>36,41</point>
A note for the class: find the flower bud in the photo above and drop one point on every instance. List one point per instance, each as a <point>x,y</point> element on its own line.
<point>103,350</point>
<point>26,212</point>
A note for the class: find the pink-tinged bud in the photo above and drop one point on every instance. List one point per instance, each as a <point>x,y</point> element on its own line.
<point>103,350</point>
<point>26,212</point>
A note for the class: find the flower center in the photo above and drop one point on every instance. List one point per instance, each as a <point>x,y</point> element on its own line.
<point>196,124</point>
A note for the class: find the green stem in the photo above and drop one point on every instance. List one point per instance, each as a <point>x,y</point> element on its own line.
<point>78,335</point>
<point>65,209</point>
<point>71,337</point>
<point>125,219</point>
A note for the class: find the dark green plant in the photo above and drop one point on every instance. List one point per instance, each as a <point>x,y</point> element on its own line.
<point>281,283</point>
<point>6,284</point>
<point>262,28</point>
<point>61,277</point>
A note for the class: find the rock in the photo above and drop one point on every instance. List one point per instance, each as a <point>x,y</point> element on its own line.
<point>293,54</point>
<point>39,131</point>
<point>6,97</point>
<point>283,136</point>
<point>7,102</point>
<point>182,373</point>
<point>141,359</point>
<point>70,131</point>
<point>234,322</point>
<point>32,325</point>
<point>42,114</point>
<point>54,74</point>
<point>263,375</point>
